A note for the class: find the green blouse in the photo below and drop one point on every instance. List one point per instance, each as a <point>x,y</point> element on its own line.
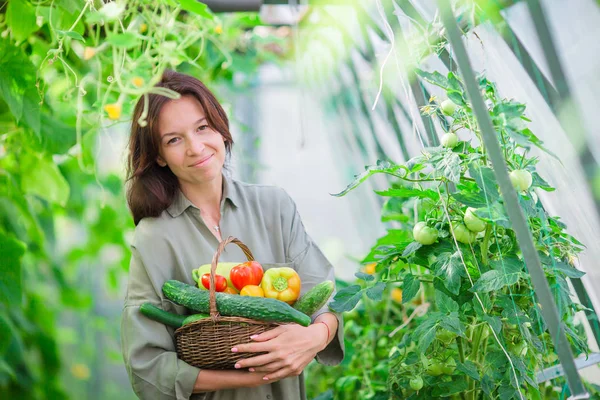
<point>263,217</point>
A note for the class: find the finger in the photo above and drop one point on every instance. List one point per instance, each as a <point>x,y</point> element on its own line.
<point>282,373</point>
<point>268,335</point>
<point>256,361</point>
<point>267,368</point>
<point>253,347</point>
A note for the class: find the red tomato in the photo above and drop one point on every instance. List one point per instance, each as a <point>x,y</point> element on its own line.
<point>248,273</point>
<point>220,282</point>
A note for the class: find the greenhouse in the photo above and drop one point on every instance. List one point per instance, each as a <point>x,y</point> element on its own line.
<point>299,199</point>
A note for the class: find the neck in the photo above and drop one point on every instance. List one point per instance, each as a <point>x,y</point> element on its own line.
<point>205,196</point>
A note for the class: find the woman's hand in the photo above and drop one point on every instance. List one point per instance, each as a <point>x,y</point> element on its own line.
<point>289,349</point>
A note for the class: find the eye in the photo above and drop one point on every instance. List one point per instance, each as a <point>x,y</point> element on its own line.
<point>203,127</point>
<point>172,140</point>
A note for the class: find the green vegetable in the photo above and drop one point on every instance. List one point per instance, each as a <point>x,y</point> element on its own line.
<point>449,140</point>
<point>521,179</point>
<point>445,336</point>
<point>416,383</point>
<point>472,222</point>
<point>160,315</point>
<point>315,298</point>
<point>259,308</point>
<point>449,366</point>
<point>194,318</point>
<point>448,107</point>
<point>435,368</point>
<point>462,234</point>
<point>425,234</point>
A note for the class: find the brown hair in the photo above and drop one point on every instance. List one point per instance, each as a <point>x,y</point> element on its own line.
<point>152,188</point>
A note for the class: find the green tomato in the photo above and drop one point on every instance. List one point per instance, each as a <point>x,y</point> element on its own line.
<point>521,179</point>
<point>416,383</point>
<point>448,107</point>
<point>449,140</point>
<point>449,366</point>
<point>462,234</point>
<point>435,368</point>
<point>445,336</point>
<point>425,234</point>
<point>519,349</point>
<point>473,223</point>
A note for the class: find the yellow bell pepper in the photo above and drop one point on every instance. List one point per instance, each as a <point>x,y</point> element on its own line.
<point>281,284</point>
<point>252,290</point>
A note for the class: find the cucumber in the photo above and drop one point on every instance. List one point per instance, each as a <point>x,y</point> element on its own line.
<point>194,318</point>
<point>259,308</point>
<point>160,315</point>
<point>315,298</point>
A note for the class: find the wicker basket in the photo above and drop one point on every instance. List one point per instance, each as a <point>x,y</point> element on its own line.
<point>207,343</point>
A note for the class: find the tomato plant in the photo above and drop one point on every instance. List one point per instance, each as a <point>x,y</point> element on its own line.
<point>483,336</point>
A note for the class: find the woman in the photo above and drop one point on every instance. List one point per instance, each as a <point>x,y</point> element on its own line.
<point>183,205</point>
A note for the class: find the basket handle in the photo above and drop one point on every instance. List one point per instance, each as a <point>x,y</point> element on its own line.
<point>213,270</point>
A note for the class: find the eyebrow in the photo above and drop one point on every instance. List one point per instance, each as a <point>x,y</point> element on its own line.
<point>175,133</point>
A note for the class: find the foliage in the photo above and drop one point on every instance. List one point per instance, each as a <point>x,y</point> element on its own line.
<point>484,334</point>
<point>69,71</point>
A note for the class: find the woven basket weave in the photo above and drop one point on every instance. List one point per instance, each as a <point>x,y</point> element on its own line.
<point>207,343</point>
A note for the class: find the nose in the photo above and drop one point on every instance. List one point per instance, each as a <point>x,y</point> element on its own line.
<point>195,145</point>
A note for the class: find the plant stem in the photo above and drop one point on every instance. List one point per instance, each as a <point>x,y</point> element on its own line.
<point>484,245</point>
<point>473,356</point>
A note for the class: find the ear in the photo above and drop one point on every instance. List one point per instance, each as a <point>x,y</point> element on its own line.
<point>160,161</point>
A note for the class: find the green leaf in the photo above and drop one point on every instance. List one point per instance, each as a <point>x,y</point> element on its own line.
<point>425,332</point>
<point>197,8</point>
<point>450,268</point>
<point>346,299</point>
<point>411,248</point>
<point>525,137</point>
<point>494,213</point>
<point>494,322</point>
<point>468,368</point>
<point>469,199</point>
<point>447,389</point>
<point>486,181</point>
<point>407,192</point>
<point>454,82</point>
<point>73,35</point>
<point>410,287</point>
<point>364,277</point>
<point>20,17</point>
<point>538,181</point>
<point>125,40</point>
<point>510,110</point>
<point>434,78</point>
<point>10,279</point>
<point>44,179</point>
<point>376,292</point>
<point>444,303</point>
<point>452,323</point>
<point>495,280</point>
<point>456,97</point>
<point>382,167</point>
<point>566,269</point>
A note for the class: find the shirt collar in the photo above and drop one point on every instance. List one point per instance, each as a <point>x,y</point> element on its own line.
<point>181,203</point>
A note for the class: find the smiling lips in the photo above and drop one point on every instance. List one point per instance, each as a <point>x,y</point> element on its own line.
<point>202,162</point>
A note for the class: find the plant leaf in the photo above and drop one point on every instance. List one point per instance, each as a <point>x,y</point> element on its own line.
<point>434,78</point>
<point>566,269</point>
<point>346,299</point>
<point>452,323</point>
<point>125,40</point>
<point>450,269</point>
<point>444,303</point>
<point>408,192</point>
<point>468,368</point>
<point>382,167</point>
<point>411,248</point>
<point>425,332</point>
<point>410,287</point>
<point>495,280</point>
<point>375,292</point>
<point>10,280</point>
<point>197,8</point>
<point>364,277</point>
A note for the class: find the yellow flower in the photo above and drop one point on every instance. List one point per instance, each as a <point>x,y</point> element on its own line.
<point>80,371</point>
<point>137,81</point>
<point>218,29</point>
<point>370,268</point>
<point>113,110</point>
<point>88,53</point>
<point>143,28</point>
<point>397,295</point>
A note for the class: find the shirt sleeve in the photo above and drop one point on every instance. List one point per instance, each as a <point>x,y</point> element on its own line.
<point>313,268</point>
<point>148,347</point>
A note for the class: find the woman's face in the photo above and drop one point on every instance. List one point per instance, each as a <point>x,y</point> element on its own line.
<point>193,151</point>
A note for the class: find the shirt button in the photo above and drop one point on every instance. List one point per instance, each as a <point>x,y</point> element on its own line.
<point>269,397</point>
